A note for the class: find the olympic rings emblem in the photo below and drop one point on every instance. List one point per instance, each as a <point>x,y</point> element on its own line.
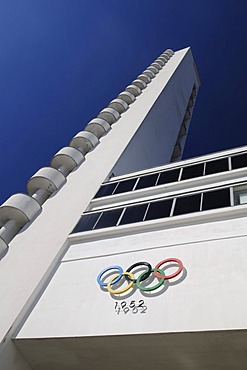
<point>157,271</point>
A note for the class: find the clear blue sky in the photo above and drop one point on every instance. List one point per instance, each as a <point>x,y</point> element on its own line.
<point>62,61</point>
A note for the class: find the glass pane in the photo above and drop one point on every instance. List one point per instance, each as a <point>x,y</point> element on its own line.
<point>187,204</point>
<point>134,214</point>
<point>86,222</point>
<point>105,190</point>
<point>239,161</point>
<point>159,209</point>
<point>241,198</point>
<point>124,186</point>
<point>216,166</point>
<point>216,199</point>
<point>168,176</point>
<point>192,171</point>
<point>109,218</point>
<point>240,194</point>
<point>147,181</point>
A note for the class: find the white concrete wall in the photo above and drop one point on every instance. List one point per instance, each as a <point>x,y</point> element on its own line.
<point>34,252</point>
<point>153,143</point>
<point>210,296</point>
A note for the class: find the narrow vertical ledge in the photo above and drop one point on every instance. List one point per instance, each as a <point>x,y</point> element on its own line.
<point>68,158</point>
<point>84,141</point>
<point>98,126</point>
<point>47,178</point>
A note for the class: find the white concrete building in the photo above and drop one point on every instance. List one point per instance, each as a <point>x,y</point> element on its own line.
<point>130,200</point>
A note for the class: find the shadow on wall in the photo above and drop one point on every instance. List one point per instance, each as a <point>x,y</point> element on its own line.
<point>115,284</point>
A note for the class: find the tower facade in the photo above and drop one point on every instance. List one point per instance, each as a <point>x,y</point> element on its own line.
<point>129,207</point>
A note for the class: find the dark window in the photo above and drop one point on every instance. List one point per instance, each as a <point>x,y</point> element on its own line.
<point>134,214</point>
<point>147,181</point>
<point>168,176</point>
<point>216,166</point>
<point>192,171</point>
<point>187,204</point>
<point>124,186</point>
<point>216,199</point>
<point>239,161</point>
<point>86,222</point>
<point>159,209</point>
<point>109,218</point>
<point>105,190</point>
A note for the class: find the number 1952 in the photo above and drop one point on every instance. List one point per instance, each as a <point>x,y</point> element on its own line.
<point>133,306</point>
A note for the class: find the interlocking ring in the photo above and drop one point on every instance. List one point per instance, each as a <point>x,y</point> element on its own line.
<point>123,290</point>
<point>159,273</point>
<point>145,275</point>
<point>154,287</point>
<point>117,277</point>
<point>180,268</point>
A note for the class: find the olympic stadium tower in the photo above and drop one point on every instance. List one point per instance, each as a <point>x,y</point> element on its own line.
<point>123,255</point>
